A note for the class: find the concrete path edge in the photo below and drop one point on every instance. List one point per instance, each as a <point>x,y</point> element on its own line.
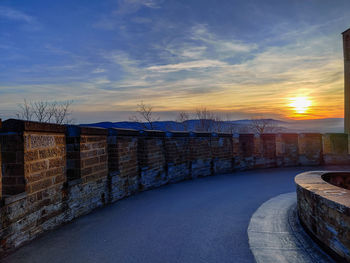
<point>275,234</point>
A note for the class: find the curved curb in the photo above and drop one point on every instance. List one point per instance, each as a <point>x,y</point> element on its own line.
<point>275,234</point>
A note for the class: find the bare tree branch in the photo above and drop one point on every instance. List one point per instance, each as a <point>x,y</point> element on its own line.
<point>25,111</point>
<point>182,119</point>
<point>208,121</point>
<point>44,111</point>
<point>145,116</point>
<point>261,125</point>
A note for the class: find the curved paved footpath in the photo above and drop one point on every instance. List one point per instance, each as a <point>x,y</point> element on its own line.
<point>202,220</point>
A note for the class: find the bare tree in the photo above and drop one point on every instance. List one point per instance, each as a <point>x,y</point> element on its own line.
<point>145,116</point>
<point>61,112</point>
<point>25,111</point>
<point>44,111</point>
<point>262,125</point>
<point>41,111</point>
<point>208,121</point>
<point>182,119</point>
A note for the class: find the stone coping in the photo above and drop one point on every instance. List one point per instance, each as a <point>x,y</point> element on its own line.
<point>311,134</point>
<point>287,134</point>
<point>122,132</point>
<point>74,131</point>
<point>13,125</point>
<point>314,182</point>
<point>152,133</point>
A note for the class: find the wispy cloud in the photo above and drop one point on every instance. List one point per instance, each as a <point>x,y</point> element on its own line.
<point>132,6</point>
<point>30,23</point>
<point>198,64</point>
<point>12,14</point>
<point>200,32</point>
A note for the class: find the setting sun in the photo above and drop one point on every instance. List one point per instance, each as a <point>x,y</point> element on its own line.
<point>300,104</point>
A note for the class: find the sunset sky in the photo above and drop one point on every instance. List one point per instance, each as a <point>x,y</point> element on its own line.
<point>244,58</point>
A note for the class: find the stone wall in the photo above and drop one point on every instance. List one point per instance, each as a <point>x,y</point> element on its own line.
<point>324,211</point>
<point>52,174</point>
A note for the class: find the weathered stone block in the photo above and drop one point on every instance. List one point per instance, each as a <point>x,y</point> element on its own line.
<point>310,148</point>
<point>123,164</point>
<point>151,156</point>
<point>200,155</point>
<point>287,149</point>
<point>177,154</point>
<point>246,147</point>
<point>335,148</point>
<point>265,150</point>
<point>222,153</point>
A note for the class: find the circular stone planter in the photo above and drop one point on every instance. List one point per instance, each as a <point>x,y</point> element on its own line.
<point>324,209</point>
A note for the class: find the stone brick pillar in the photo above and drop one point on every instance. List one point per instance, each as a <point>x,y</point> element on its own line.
<point>246,148</point>
<point>177,155</point>
<point>222,153</point>
<point>200,154</point>
<point>151,155</point>
<point>87,169</point>
<point>33,157</point>
<point>335,148</point>
<point>287,149</point>
<point>123,163</point>
<point>34,162</point>
<point>86,153</point>
<point>265,154</point>
<point>310,149</point>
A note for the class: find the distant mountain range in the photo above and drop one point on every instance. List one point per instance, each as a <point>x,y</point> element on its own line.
<point>318,125</point>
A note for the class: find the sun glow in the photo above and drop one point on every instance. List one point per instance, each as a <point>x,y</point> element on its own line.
<point>300,105</point>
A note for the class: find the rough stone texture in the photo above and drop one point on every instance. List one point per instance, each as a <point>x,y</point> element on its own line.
<point>200,156</point>
<point>287,149</point>
<point>310,149</point>
<point>222,154</point>
<point>12,150</point>
<point>324,211</point>
<point>152,160</point>
<point>34,201</point>
<point>177,150</point>
<point>246,149</point>
<point>44,161</point>
<point>335,148</point>
<point>265,151</point>
<point>123,164</point>
<point>87,170</point>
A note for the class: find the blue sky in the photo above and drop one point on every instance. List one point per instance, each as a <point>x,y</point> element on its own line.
<point>241,58</point>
